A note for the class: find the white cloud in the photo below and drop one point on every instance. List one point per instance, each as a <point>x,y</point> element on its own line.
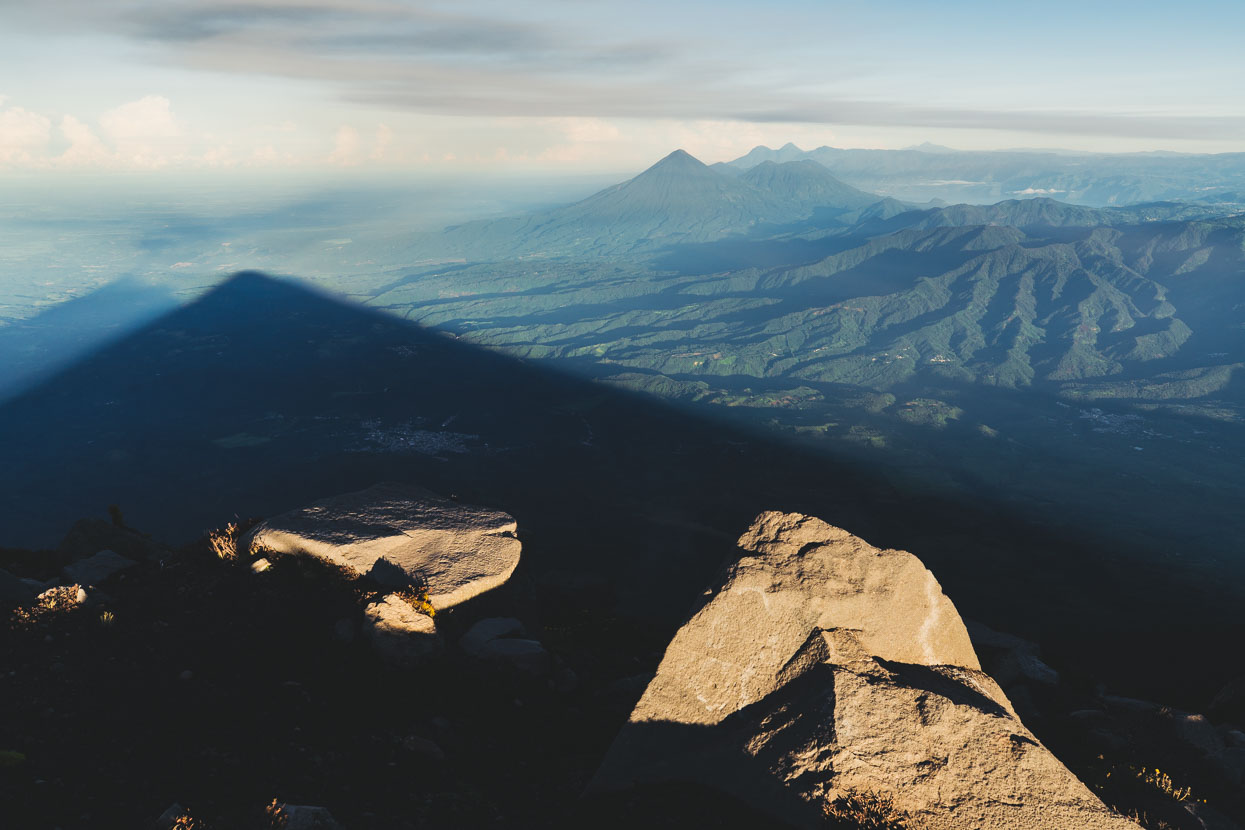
<point>1033,191</point>
<point>85,148</point>
<point>345,147</point>
<point>384,137</point>
<point>146,119</point>
<point>24,136</point>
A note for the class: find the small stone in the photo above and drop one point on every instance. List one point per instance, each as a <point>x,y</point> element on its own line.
<point>525,656</point>
<point>260,565</point>
<point>399,633</point>
<point>487,630</point>
<point>423,747</point>
<point>81,596</point>
<point>186,675</point>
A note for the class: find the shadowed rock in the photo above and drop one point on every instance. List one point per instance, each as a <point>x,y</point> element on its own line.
<point>96,569</point>
<point>402,535</point>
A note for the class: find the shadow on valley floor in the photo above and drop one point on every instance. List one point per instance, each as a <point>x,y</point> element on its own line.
<point>264,395</point>
<point>35,348</point>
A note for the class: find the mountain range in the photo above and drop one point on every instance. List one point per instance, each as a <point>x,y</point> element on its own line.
<point>1099,179</point>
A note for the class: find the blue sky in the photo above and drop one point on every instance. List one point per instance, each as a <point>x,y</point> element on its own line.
<point>578,85</point>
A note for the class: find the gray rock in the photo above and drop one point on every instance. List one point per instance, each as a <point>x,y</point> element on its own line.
<point>525,656</point>
<point>1231,765</point>
<point>1194,731</point>
<point>424,748</point>
<point>488,629</point>
<point>1234,738</point>
<point>1022,666</point>
<point>984,637</point>
<point>90,535</point>
<point>399,633</point>
<point>400,535</point>
<point>1208,818</point>
<point>260,565</point>
<point>302,817</point>
<point>98,568</point>
<point>822,667</point>
<point>14,591</point>
<point>1129,704</point>
<point>168,819</point>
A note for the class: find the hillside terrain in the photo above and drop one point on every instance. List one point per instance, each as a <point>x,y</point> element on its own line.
<point>1042,400</point>
<point>1080,364</point>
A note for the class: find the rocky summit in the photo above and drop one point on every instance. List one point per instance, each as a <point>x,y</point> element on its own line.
<point>401,536</point>
<point>825,676</point>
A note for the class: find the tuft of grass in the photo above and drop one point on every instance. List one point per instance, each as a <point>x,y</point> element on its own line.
<point>417,597</point>
<point>866,811</point>
<point>224,542</point>
<point>187,822</point>
<point>276,815</point>
<point>107,618</point>
<point>1162,782</point>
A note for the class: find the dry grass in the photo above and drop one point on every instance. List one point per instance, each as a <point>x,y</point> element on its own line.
<point>276,814</point>
<point>867,811</point>
<point>417,598</point>
<point>224,542</point>
<point>52,601</point>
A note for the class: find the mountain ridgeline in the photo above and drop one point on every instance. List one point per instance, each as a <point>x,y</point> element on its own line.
<point>1011,351</point>
<point>678,200</point>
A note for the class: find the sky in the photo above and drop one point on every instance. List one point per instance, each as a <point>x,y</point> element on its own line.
<point>173,87</point>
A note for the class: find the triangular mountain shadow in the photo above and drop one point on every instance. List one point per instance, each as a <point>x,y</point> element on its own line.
<point>264,395</point>
<point>34,348</point>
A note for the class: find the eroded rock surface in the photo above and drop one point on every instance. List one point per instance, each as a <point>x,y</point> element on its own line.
<point>401,535</point>
<point>824,667</point>
<point>399,632</point>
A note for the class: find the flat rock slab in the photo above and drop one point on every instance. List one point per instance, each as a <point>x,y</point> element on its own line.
<point>400,535</point>
<point>95,569</point>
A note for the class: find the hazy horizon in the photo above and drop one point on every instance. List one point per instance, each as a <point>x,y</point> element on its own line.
<point>324,85</point>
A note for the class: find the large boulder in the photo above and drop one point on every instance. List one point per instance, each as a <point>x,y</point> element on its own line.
<point>824,669</point>
<point>401,535</point>
<point>14,591</point>
<point>98,568</point>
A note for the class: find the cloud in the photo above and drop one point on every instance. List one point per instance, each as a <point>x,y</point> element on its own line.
<point>586,67</point>
<point>147,119</point>
<point>24,136</point>
<point>384,137</point>
<point>85,149</point>
<point>345,147</point>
